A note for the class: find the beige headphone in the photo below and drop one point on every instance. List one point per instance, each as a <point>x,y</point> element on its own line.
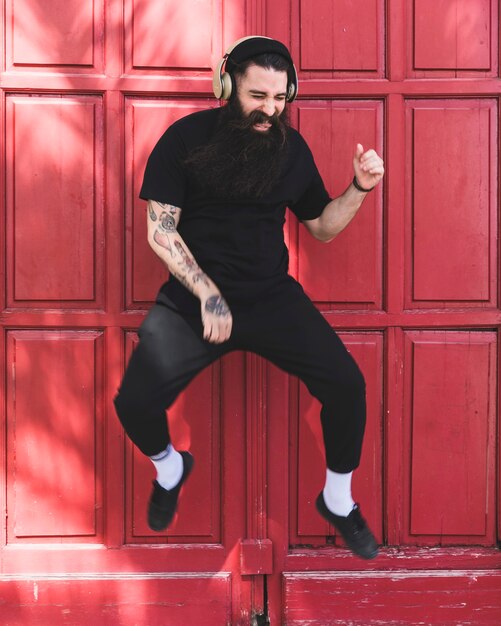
<point>222,81</point>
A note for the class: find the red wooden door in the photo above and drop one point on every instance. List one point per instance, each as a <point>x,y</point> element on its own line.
<point>412,286</point>
<point>87,87</point>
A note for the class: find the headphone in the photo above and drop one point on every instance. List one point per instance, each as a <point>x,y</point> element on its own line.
<point>223,83</point>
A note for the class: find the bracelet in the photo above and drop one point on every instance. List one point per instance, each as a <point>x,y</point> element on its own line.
<point>359,187</point>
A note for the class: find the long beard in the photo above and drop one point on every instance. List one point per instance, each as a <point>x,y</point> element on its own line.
<point>240,162</point>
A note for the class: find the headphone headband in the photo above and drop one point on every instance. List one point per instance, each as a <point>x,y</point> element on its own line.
<point>244,49</point>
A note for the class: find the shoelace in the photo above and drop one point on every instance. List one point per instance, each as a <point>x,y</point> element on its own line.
<point>358,521</point>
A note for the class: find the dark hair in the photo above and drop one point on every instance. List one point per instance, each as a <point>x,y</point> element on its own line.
<point>268,60</point>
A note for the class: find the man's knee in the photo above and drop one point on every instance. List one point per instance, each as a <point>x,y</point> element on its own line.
<point>125,409</point>
<point>356,380</point>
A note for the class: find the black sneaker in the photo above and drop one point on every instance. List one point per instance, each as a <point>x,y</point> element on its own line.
<point>163,502</point>
<point>353,529</point>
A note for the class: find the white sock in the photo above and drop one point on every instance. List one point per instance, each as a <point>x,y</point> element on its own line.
<point>169,465</point>
<point>337,493</point>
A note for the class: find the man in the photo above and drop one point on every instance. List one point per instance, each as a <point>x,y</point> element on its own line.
<point>218,183</point>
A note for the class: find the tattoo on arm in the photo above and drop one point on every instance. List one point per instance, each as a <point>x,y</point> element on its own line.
<point>187,266</point>
<point>167,217</point>
<point>164,241</point>
<point>217,305</point>
<point>151,211</point>
<point>167,223</point>
<point>190,266</point>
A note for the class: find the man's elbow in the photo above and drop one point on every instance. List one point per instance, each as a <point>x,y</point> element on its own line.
<point>323,237</point>
<point>151,240</point>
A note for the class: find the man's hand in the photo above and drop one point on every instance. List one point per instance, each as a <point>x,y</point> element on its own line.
<point>368,167</point>
<point>216,318</point>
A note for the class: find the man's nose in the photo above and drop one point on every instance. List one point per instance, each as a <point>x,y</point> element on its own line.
<point>268,107</point>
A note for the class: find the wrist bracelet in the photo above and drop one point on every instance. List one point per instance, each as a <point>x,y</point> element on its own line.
<point>359,187</point>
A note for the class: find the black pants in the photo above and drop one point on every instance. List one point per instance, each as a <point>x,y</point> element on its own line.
<point>285,328</point>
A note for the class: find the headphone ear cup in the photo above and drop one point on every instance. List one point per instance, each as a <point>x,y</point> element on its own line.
<point>217,85</point>
<point>291,92</point>
<point>226,86</point>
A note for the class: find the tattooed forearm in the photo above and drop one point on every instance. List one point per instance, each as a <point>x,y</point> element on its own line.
<point>190,266</point>
<point>167,223</point>
<point>217,305</point>
<point>179,260</point>
<point>200,277</point>
<point>182,279</point>
<point>168,216</point>
<point>188,272</point>
<point>184,255</point>
<point>164,241</point>
<point>151,211</point>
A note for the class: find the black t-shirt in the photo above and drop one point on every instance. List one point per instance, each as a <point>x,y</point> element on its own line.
<point>238,244</point>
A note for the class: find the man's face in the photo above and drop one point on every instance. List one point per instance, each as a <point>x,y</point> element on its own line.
<point>262,89</point>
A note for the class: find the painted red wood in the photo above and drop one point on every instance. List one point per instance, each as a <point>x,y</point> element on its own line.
<point>349,39</point>
<point>453,204</point>
<point>452,39</point>
<point>417,80</point>
<point>349,273</point>
<point>54,467</point>
<point>156,600</point>
<point>450,421</point>
<point>54,204</point>
<point>352,41</point>
<point>451,598</point>
<point>452,34</point>
<point>256,556</point>
<point>189,46</point>
<point>74,29</point>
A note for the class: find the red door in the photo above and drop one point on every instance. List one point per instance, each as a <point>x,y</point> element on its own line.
<point>87,87</point>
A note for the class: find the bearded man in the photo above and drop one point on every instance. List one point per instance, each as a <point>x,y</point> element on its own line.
<point>218,183</point>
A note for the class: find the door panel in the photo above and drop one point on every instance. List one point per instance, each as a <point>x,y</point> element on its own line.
<point>457,35</point>
<point>349,273</point>
<point>54,201</point>
<point>451,427</point>
<point>338,38</point>
<point>55,470</point>
<point>452,227</point>
<point>74,28</point>
<point>189,42</point>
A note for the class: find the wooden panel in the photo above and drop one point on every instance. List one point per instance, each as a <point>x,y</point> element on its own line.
<point>171,34</point>
<point>452,39</point>
<point>451,399</point>
<point>56,33</point>
<point>194,425</point>
<point>54,199</point>
<point>347,271</point>
<point>454,219</point>
<point>153,599</point>
<point>367,350</point>
<point>338,36</point>
<point>448,598</point>
<point>54,434</point>
<point>452,34</point>
<point>146,122</point>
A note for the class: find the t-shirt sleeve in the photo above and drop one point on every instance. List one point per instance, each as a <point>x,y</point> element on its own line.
<point>312,201</point>
<point>165,176</point>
